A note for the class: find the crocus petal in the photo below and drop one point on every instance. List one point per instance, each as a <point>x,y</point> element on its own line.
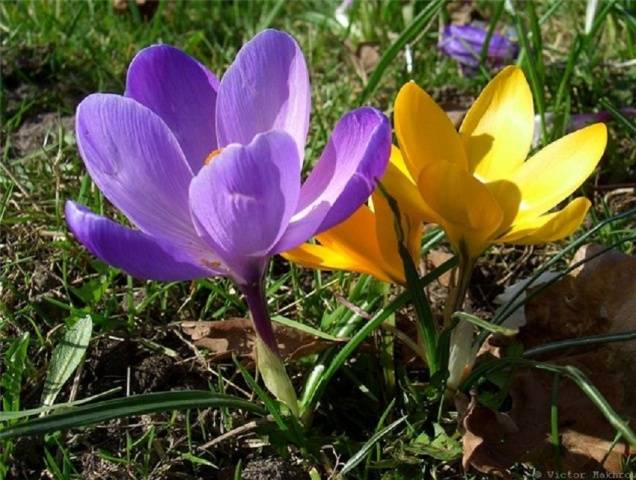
<point>323,258</point>
<point>425,133</point>
<point>399,183</point>
<point>497,130</point>
<point>467,209</point>
<point>243,201</point>
<point>388,240</point>
<point>137,163</point>
<point>182,92</point>
<point>351,245</point>
<point>348,170</point>
<point>559,169</point>
<point>133,251</point>
<point>551,226</point>
<point>266,88</point>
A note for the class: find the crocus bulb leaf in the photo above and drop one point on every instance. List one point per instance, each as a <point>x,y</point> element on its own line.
<point>462,354</point>
<point>275,376</point>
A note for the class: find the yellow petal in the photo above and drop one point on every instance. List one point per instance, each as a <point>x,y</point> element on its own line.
<point>387,235</point>
<point>399,183</point>
<point>324,258</point>
<point>508,197</point>
<point>559,169</point>
<point>551,226</point>
<point>467,209</point>
<point>497,130</point>
<point>425,133</point>
<point>351,245</point>
<point>397,162</point>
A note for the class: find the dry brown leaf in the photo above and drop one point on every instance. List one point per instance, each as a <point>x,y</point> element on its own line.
<point>236,336</point>
<point>599,297</point>
<point>494,441</point>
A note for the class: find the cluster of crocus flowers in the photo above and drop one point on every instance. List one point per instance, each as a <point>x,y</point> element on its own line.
<point>464,43</point>
<point>209,172</point>
<point>475,183</point>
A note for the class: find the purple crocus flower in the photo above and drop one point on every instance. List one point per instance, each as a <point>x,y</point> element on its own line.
<point>464,44</point>
<point>209,172</point>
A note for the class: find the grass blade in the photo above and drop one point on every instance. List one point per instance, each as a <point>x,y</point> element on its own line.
<point>6,416</point>
<point>126,407</point>
<point>361,454</point>
<point>590,341</point>
<point>484,324</point>
<point>423,18</point>
<point>312,394</point>
<point>616,113</point>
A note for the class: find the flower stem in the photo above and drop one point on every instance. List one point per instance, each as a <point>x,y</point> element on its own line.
<point>268,359</point>
<point>457,294</point>
<point>460,353</point>
<point>255,296</point>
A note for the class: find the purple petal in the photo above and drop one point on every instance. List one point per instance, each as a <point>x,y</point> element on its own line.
<point>349,168</point>
<point>137,163</point>
<point>266,88</point>
<point>182,92</point>
<point>243,200</point>
<point>133,251</point>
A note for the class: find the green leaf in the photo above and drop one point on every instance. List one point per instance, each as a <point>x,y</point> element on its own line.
<point>304,328</point>
<point>275,377</point>
<point>92,291</point>
<point>440,446</point>
<point>126,407</point>
<point>66,358</point>
<point>11,379</point>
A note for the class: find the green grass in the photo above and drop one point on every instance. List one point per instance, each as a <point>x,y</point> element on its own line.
<point>56,52</point>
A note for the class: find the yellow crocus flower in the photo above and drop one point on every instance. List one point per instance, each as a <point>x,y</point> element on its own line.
<point>476,182</point>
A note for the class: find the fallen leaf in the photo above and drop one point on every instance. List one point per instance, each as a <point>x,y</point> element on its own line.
<point>518,291</point>
<point>495,441</point>
<point>598,297</point>
<point>236,336</point>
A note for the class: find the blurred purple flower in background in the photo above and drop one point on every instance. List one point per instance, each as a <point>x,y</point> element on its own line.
<point>465,42</point>
<point>209,172</point>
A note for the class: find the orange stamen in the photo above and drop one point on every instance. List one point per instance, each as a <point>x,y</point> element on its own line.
<point>211,155</point>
